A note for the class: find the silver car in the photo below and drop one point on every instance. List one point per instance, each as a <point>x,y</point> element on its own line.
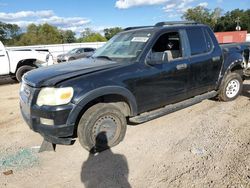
<point>75,53</point>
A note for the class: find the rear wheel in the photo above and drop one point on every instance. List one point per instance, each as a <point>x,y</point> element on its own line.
<point>101,126</point>
<point>22,70</point>
<point>231,87</point>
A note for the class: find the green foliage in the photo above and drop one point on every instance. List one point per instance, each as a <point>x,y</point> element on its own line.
<point>68,36</point>
<point>228,21</point>
<point>203,15</point>
<point>41,34</point>
<point>110,32</point>
<point>213,18</point>
<point>9,33</point>
<point>90,36</point>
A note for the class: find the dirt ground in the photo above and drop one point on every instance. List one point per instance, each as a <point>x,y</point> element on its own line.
<point>205,145</point>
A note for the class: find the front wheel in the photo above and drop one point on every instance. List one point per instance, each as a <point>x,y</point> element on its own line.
<point>101,126</point>
<point>22,70</point>
<point>71,59</point>
<point>231,87</point>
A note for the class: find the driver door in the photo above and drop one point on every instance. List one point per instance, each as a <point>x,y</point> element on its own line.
<point>164,80</point>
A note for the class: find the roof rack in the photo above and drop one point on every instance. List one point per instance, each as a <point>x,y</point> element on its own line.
<point>159,24</point>
<point>137,27</point>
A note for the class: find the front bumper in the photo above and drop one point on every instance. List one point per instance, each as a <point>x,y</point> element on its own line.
<point>62,59</point>
<point>61,132</point>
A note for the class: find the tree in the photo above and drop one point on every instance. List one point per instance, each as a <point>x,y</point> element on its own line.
<point>30,37</point>
<point>48,34</point>
<point>9,32</point>
<point>203,15</point>
<point>68,36</point>
<point>215,16</point>
<point>110,32</point>
<point>90,36</point>
<point>227,22</point>
<point>41,34</point>
<point>12,30</point>
<point>218,22</point>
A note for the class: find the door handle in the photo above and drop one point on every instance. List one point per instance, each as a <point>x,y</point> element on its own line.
<point>181,66</point>
<point>215,59</point>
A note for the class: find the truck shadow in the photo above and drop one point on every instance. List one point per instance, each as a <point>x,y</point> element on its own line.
<point>6,81</point>
<point>246,90</point>
<point>104,168</point>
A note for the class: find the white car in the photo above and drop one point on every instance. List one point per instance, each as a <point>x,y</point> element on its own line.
<point>15,63</point>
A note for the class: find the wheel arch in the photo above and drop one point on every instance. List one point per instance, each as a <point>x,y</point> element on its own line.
<point>119,96</point>
<point>234,59</point>
<point>234,63</point>
<point>30,62</point>
<point>119,93</point>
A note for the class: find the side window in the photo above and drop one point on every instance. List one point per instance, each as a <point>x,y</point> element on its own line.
<point>170,44</point>
<point>80,51</point>
<point>89,50</point>
<point>209,42</point>
<point>197,41</point>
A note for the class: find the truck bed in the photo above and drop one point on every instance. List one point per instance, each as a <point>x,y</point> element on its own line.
<point>236,47</point>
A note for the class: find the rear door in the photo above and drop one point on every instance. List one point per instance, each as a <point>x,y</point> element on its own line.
<point>80,53</point>
<point>4,60</point>
<point>88,52</point>
<point>204,64</point>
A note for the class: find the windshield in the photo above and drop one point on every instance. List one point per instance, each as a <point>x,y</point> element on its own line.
<point>73,51</point>
<point>124,46</point>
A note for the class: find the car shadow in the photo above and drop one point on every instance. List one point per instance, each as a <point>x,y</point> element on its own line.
<point>103,168</point>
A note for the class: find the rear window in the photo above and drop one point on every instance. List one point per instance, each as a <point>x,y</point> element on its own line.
<point>89,50</point>
<point>197,41</point>
<point>209,42</point>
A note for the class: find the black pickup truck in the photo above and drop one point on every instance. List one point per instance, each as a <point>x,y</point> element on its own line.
<point>140,74</point>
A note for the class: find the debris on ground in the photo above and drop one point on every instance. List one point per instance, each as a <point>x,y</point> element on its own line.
<point>24,158</point>
<point>8,172</point>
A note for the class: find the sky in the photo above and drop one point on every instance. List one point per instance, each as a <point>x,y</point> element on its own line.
<point>79,14</point>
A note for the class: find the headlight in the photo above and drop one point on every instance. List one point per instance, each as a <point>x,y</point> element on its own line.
<point>54,96</point>
<point>66,58</point>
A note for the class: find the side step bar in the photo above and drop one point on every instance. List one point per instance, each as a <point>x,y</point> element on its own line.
<point>171,108</point>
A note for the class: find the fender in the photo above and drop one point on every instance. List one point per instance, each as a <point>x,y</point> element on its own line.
<point>86,98</point>
<point>230,62</point>
<point>31,62</point>
<point>90,96</point>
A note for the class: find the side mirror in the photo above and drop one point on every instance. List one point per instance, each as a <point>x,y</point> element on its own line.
<point>156,58</point>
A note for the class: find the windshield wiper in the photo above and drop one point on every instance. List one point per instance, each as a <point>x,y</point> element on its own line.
<point>104,57</point>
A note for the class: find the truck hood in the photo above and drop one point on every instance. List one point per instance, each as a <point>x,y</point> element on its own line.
<point>50,76</point>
